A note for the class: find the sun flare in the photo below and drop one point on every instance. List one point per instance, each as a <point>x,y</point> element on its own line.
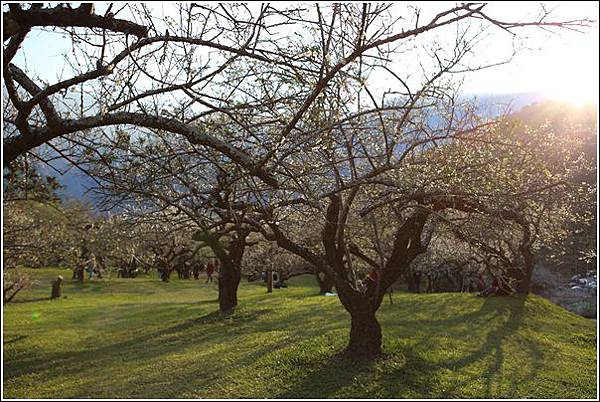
<point>577,91</point>
<point>570,70</point>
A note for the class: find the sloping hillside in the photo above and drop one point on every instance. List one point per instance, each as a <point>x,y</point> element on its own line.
<point>144,338</point>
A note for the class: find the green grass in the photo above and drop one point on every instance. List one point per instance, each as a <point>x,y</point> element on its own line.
<point>143,338</point>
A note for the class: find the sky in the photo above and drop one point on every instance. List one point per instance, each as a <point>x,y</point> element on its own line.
<point>561,66</point>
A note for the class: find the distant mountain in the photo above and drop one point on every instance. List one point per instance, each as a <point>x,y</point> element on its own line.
<point>491,105</point>
<point>75,183</point>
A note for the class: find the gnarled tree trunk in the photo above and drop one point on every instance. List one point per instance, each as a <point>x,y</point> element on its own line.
<point>362,304</point>
<point>229,280</point>
<point>230,272</point>
<point>365,335</point>
<point>522,275</point>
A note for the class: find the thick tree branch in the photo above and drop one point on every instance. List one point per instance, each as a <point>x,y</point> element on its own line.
<point>18,20</point>
<point>13,147</point>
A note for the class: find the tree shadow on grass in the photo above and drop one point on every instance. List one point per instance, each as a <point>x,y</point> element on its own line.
<point>400,375</point>
<point>211,301</point>
<point>333,375</point>
<point>492,346</point>
<point>208,335</point>
<point>502,320</point>
<point>409,373</point>
<point>215,317</point>
<point>152,344</point>
<point>29,300</point>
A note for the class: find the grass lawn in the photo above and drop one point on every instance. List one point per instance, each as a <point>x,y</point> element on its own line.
<point>143,338</point>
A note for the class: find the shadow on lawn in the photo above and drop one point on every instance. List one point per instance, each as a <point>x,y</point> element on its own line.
<point>495,322</point>
<point>216,317</point>
<point>164,341</point>
<point>202,333</point>
<point>511,311</point>
<point>334,374</point>
<point>30,300</point>
<point>408,373</point>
